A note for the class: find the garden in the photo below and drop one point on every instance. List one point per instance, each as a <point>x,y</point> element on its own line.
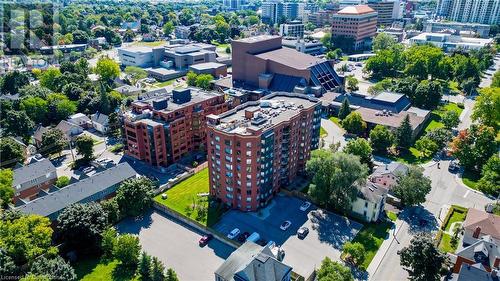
<point>449,235</point>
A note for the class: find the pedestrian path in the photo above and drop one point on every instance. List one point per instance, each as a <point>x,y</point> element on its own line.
<point>382,251</point>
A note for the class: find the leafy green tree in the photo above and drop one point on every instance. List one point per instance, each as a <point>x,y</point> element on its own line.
<point>12,81</point>
<point>422,259</point>
<point>354,252</point>
<point>412,187</point>
<point>134,196</point>
<point>327,41</point>
<point>158,270</point>
<point>34,91</point>
<point>352,84</point>
<point>381,139</point>
<point>203,81</point>
<point>450,119</point>
<point>53,141</point>
<point>18,123</point>
<point>334,178</point>
<point>333,271</point>
<point>8,267</point>
<point>135,73</point>
<point>345,109</point>
<point>473,147</point>
<point>426,146</point>
<point>354,123</point>
<point>80,37</point>
<point>36,108</point>
<point>490,176</point>
<point>62,181</point>
<point>427,95</point>
<point>440,136</point>
<point>496,79</point>
<point>191,78</point>
<point>55,268</point>
<point>360,147</point>
<point>168,28</point>
<point>383,41</point>
<point>6,189</point>
<point>469,86</point>
<point>252,20</point>
<point>423,61</point>
<point>81,225</point>
<point>85,147</point>
<point>112,210</point>
<point>127,250</point>
<point>82,67</point>
<point>26,237</point>
<point>487,107</point>
<point>171,275</point>
<point>404,134</point>
<point>72,90</point>
<point>107,69</point>
<point>49,78</point>
<point>128,36</point>
<point>108,242</point>
<point>145,266</point>
<point>465,67</point>
<point>11,153</point>
<point>386,63</point>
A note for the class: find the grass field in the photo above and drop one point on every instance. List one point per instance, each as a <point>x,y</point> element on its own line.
<point>150,44</point>
<point>371,236</point>
<point>165,83</point>
<point>94,269</point>
<point>184,198</point>
<point>470,179</point>
<point>391,215</point>
<point>446,244</point>
<point>322,132</point>
<point>458,214</point>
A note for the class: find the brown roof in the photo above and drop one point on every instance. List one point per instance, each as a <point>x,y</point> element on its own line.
<point>290,57</point>
<point>356,10</point>
<point>489,223</point>
<point>373,116</point>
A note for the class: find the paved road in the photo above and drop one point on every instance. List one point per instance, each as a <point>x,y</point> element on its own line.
<point>335,133</point>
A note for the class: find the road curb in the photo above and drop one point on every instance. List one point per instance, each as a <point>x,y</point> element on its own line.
<point>398,228</point>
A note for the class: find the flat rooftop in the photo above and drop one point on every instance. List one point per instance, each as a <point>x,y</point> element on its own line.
<point>256,38</point>
<point>267,113</point>
<point>206,65</point>
<point>136,49</point>
<point>290,57</point>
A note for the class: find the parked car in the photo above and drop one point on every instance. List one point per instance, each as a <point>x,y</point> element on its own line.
<point>88,170</point>
<point>285,225</point>
<point>254,237</point>
<point>302,232</point>
<point>453,167</point>
<point>243,236</point>
<point>233,233</point>
<point>205,239</point>
<point>305,206</point>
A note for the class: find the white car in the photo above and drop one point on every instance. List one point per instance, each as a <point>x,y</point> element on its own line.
<point>305,206</point>
<point>285,225</point>
<point>233,233</point>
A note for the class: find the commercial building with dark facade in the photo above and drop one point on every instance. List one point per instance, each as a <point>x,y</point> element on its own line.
<point>260,146</point>
<point>263,62</point>
<point>160,130</point>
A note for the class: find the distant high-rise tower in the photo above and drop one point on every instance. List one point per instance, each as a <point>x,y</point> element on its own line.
<point>234,4</point>
<point>475,11</point>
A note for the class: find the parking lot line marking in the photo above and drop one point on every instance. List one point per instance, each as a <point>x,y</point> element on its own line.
<point>467,193</point>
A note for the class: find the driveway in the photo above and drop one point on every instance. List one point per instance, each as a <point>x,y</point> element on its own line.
<point>335,133</point>
<point>176,245</point>
<point>328,232</point>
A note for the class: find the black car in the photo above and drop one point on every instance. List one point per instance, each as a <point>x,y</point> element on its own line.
<point>453,167</point>
<point>302,232</point>
<point>243,236</point>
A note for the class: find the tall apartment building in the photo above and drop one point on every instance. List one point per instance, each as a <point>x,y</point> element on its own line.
<point>320,18</point>
<point>260,146</point>
<point>273,11</point>
<point>385,10</point>
<point>358,22</point>
<point>292,29</point>
<point>160,130</point>
<point>234,4</point>
<point>477,11</point>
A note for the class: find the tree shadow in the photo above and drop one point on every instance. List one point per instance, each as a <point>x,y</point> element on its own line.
<point>419,219</point>
<point>122,273</point>
<point>333,229</point>
<point>134,225</point>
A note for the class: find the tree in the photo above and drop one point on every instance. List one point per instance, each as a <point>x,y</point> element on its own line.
<point>490,176</point>
<point>127,250</point>
<point>128,36</point>
<point>412,187</point>
<point>107,69</point>
<point>487,107</point>
<point>168,28</point>
<point>171,275</point>
<point>327,41</point>
<point>112,210</point>
<point>386,63</point>
<point>352,83</point>
<point>427,94</point>
<point>135,73</point>
<point>383,41</point>
<point>55,268</point>
<point>203,81</point>
<point>423,61</point>
<point>108,242</point>
<point>8,267</point>
<point>450,119</point>
<point>34,91</point>
<point>158,270</point>
<point>354,123</point>
<point>49,78</point>
<point>53,141</point>
<point>85,147</point>
<point>473,147</point>
<point>26,237</point>
<point>36,108</point>
<point>354,252</point>
<point>345,109</point>
<point>422,259</point>
<point>440,136</point>
<point>426,146</point>
<point>496,79</point>
<point>12,81</point>
<point>404,134</point>
<point>381,139</point>
<point>62,181</point>
<point>80,37</point>
<point>6,189</point>
<point>135,196</point>
<point>334,178</point>
<point>18,123</point>
<point>145,266</point>
<point>11,153</point>
<point>81,225</point>
<point>333,271</point>
<point>360,147</point>
<point>191,78</point>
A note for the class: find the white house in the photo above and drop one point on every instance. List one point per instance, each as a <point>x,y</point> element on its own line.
<point>79,119</point>
<point>370,202</point>
<point>100,122</point>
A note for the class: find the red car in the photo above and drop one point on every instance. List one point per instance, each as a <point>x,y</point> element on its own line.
<point>204,240</point>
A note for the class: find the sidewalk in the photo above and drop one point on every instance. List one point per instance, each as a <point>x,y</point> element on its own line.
<point>382,251</point>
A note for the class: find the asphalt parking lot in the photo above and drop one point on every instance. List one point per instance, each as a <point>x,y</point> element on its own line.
<point>327,232</point>
<point>176,245</point>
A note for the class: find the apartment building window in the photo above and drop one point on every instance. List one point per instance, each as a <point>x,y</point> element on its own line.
<point>249,144</point>
<point>249,153</point>
<point>227,142</point>
<point>249,161</point>
<point>217,138</point>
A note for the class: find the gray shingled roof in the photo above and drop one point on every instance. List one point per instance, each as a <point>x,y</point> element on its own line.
<point>32,171</point>
<point>372,192</point>
<point>74,193</point>
<point>100,118</point>
<point>486,246</point>
<point>475,272</point>
<point>393,168</point>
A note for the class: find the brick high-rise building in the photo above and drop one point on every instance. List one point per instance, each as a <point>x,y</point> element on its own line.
<point>259,146</point>
<point>358,22</point>
<point>385,10</point>
<point>162,129</point>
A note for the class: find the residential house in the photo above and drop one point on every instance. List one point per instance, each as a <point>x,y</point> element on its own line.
<point>478,224</point>
<point>484,251</point>
<point>100,122</point>
<point>79,119</point>
<point>70,130</point>
<point>100,186</point>
<point>475,272</point>
<point>386,175</point>
<point>29,180</point>
<point>370,201</point>
<point>38,134</point>
<point>252,262</point>
<point>128,90</point>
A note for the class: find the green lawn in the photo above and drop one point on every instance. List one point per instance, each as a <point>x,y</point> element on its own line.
<point>166,83</point>
<point>470,179</point>
<point>322,132</point>
<point>184,198</point>
<point>458,214</point>
<point>150,44</point>
<point>391,215</point>
<point>447,245</point>
<point>94,269</point>
<point>336,120</point>
<point>371,236</point>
